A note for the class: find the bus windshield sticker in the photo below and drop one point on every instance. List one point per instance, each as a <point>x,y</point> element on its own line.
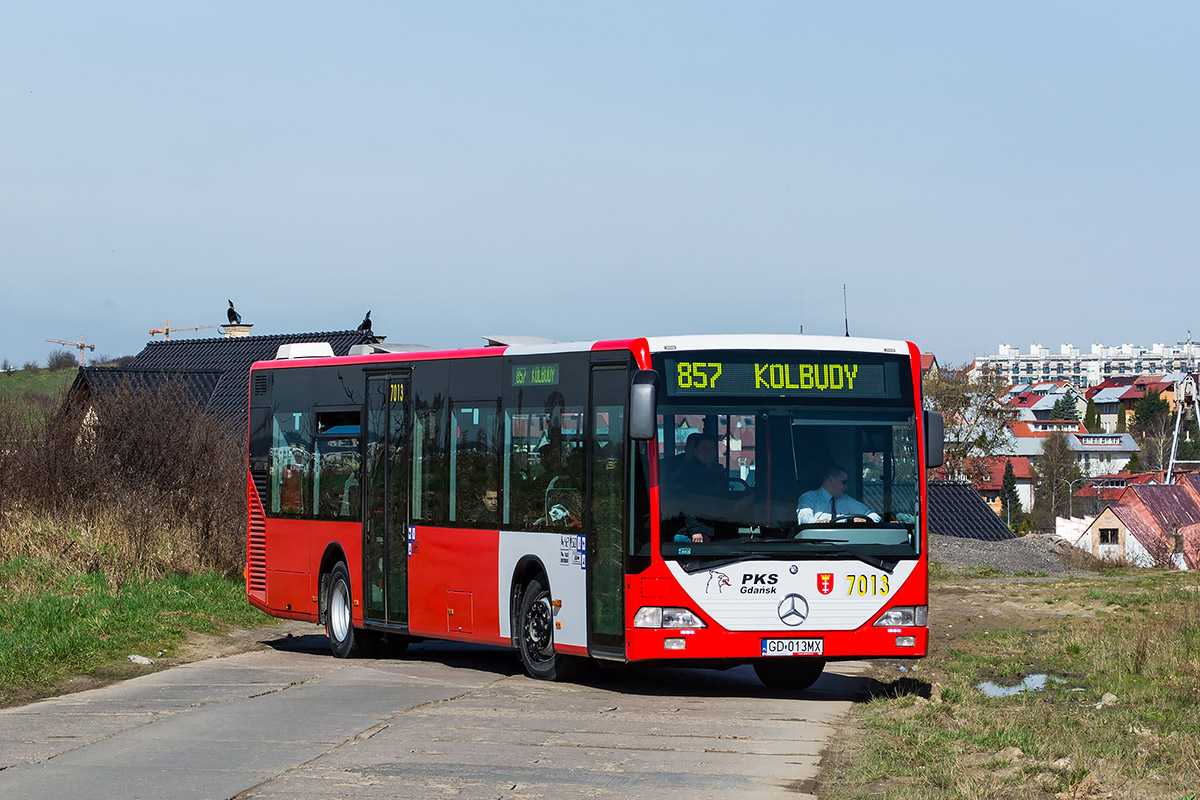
<point>535,375</point>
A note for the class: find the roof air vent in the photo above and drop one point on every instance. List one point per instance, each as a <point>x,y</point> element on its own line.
<point>304,350</point>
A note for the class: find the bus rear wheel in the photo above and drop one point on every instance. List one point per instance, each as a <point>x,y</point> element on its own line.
<point>795,673</point>
<point>339,624</point>
<point>535,635</point>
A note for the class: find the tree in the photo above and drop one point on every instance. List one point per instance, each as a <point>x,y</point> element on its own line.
<point>1152,429</point>
<point>1134,465</point>
<point>8,367</point>
<point>1121,418</point>
<point>1064,408</point>
<point>976,421</point>
<point>1056,469</point>
<point>61,359</point>
<point>1091,417</point>
<point>1010,501</point>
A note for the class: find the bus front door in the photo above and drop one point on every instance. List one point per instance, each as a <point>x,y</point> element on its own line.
<point>607,478</point>
<point>385,530</point>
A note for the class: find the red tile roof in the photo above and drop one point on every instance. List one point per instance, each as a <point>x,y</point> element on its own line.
<point>1023,429</point>
<point>1121,480</point>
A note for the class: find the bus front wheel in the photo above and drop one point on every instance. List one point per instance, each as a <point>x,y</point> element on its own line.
<point>339,625</point>
<point>535,635</point>
<point>795,673</point>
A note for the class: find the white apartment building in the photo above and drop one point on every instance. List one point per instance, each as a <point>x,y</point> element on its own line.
<point>1088,369</point>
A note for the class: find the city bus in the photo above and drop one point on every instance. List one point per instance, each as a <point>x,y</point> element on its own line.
<point>633,500</point>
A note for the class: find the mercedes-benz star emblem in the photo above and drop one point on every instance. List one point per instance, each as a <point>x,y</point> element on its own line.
<point>793,610</point>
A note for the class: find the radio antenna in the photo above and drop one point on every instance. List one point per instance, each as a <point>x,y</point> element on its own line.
<point>845,312</point>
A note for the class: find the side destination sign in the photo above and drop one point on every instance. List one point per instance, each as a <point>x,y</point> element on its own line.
<point>535,375</point>
<point>839,376</point>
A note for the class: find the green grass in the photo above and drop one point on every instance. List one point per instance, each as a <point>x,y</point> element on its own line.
<point>44,382</point>
<point>59,625</point>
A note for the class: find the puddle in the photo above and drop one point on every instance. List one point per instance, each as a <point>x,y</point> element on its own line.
<point>1032,683</point>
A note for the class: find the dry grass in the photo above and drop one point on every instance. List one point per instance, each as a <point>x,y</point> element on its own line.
<point>142,482</point>
<point>1122,722</point>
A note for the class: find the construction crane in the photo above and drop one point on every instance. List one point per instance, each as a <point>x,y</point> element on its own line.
<point>166,329</point>
<point>1183,388</point>
<point>81,346</point>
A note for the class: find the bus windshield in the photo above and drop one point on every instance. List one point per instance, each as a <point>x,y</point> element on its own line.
<point>765,475</point>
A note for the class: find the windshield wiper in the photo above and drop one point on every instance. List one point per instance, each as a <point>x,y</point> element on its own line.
<point>700,563</point>
<point>873,561</point>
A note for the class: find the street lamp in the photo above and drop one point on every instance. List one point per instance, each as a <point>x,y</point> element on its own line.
<point>1071,494</point>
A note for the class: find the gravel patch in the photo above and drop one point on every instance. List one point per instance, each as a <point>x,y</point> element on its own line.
<point>1033,553</point>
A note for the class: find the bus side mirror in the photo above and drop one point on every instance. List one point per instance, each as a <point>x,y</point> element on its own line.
<point>935,439</point>
<point>643,405</point>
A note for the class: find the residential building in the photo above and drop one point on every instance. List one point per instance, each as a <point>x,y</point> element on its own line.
<point>1091,368</point>
<point>1150,526</point>
<point>1037,400</point>
<point>929,364</point>
<point>991,484</point>
<point>212,372</point>
<point>1118,395</point>
<point>1096,453</point>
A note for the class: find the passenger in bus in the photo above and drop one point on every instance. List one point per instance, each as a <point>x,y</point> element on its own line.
<point>697,483</point>
<point>486,510</point>
<point>698,471</point>
<point>829,501</point>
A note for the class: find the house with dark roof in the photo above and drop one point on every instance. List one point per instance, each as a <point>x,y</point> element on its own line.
<point>213,372</point>
<point>1151,525</point>
<point>956,509</point>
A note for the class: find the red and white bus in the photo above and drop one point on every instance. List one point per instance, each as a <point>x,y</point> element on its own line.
<point>562,499</point>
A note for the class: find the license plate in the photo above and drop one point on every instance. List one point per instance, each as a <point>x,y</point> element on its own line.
<point>793,647</point>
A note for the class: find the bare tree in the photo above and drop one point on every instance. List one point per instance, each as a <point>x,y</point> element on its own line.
<point>1056,471</point>
<point>1153,428</point>
<point>975,418</point>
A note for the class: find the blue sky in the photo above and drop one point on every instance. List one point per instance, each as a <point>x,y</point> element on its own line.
<point>1015,172</point>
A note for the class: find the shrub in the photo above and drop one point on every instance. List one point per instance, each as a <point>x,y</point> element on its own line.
<point>141,481</point>
<point>61,359</point>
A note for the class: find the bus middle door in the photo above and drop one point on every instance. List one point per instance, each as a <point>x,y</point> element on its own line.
<point>385,530</point>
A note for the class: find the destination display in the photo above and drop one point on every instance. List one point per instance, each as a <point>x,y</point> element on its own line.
<point>535,375</point>
<point>782,377</point>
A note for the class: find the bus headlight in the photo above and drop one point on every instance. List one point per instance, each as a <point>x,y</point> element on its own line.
<point>657,617</point>
<point>899,616</point>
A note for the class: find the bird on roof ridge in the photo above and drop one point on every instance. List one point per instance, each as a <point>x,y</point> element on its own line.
<point>365,325</point>
<point>234,317</point>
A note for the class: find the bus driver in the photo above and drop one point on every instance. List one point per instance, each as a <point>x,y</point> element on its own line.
<point>829,502</point>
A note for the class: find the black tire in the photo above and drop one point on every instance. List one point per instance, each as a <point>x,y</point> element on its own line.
<point>535,635</point>
<point>339,626</point>
<point>792,673</point>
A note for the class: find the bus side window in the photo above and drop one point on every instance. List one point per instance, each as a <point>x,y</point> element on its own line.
<point>291,464</point>
<point>337,489</point>
<point>545,469</point>
<point>475,465</point>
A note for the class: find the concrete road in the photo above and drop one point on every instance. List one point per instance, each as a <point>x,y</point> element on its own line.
<point>448,720</point>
